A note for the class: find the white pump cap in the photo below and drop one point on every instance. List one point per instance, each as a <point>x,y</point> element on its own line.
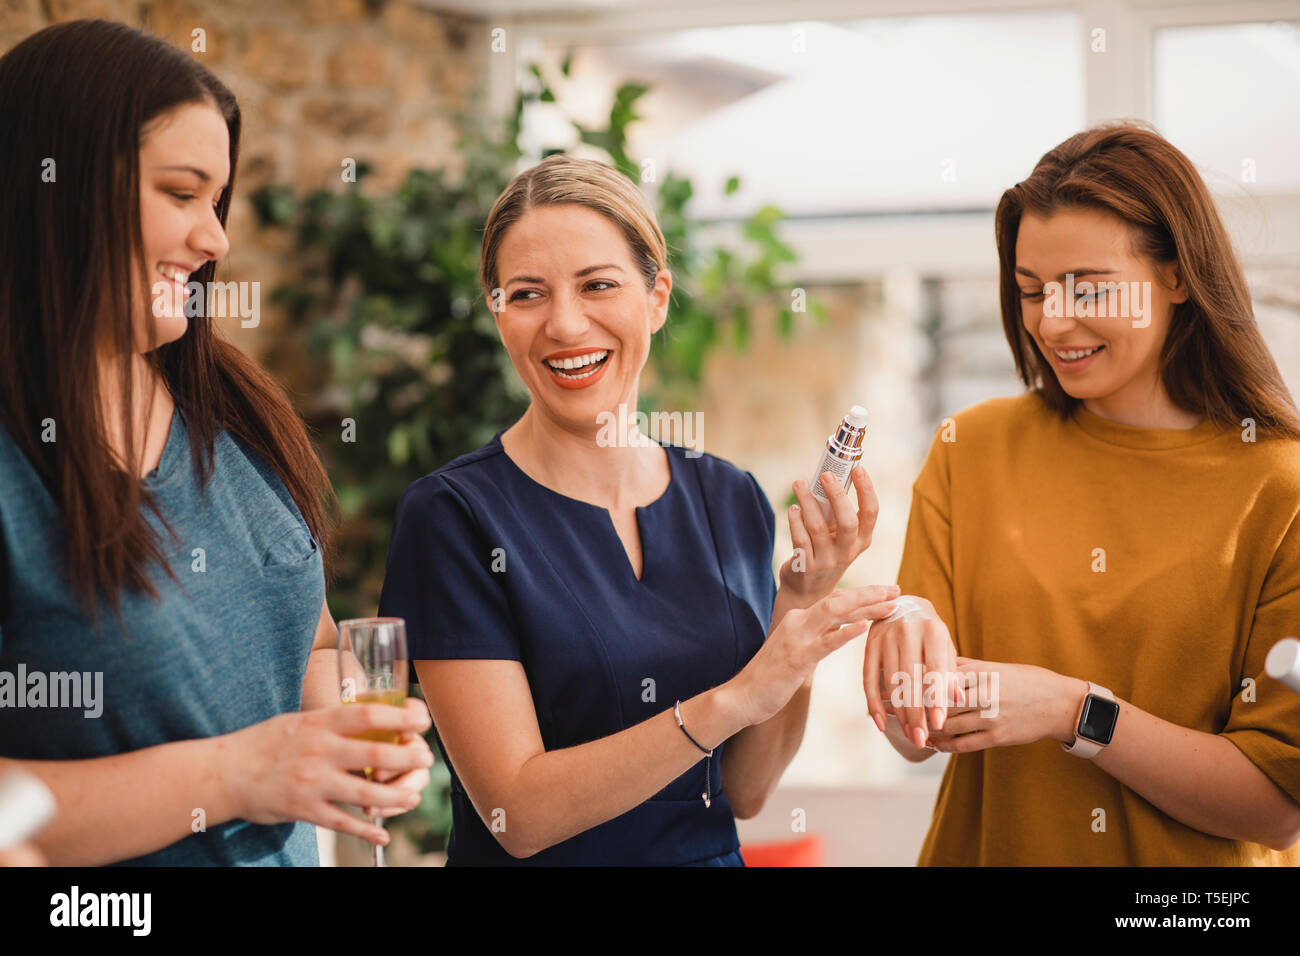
<point>857,416</point>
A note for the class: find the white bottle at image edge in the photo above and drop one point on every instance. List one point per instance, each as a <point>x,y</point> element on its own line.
<point>1283,663</point>
<point>843,452</point>
<point>26,805</point>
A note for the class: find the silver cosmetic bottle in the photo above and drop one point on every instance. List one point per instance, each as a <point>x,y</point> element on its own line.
<point>843,452</point>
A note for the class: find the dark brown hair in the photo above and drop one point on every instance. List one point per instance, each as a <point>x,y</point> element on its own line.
<point>81,93</point>
<point>1214,361</point>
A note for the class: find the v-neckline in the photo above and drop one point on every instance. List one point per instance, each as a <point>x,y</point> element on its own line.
<point>167,458</point>
<point>609,518</point>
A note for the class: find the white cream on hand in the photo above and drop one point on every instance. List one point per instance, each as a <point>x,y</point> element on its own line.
<point>905,605</point>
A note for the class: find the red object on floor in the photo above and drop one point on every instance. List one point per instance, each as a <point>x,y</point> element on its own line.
<point>806,851</point>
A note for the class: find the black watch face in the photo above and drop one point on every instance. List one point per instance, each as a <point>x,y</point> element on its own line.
<point>1098,721</point>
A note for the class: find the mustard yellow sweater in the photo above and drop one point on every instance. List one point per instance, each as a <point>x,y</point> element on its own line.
<point>1161,564</point>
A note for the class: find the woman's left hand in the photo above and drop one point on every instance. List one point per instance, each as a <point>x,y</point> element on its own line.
<point>409,786</point>
<point>1010,704</point>
<point>822,552</point>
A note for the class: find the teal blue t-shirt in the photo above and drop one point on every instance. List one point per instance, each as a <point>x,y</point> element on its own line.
<point>224,649</point>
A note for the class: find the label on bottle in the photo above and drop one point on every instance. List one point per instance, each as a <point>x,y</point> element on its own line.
<point>836,466</point>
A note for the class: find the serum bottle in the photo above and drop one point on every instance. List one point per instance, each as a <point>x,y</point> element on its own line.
<point>843,452</point>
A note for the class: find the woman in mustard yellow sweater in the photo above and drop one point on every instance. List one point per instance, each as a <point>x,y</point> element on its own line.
<point>1107,559</point>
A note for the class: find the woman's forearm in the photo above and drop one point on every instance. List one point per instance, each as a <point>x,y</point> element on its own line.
<point>124,806</point>
<point>1201,780</point>
<point>552,798</point>
<point>756,757</point>
<point>320,686</point>
<point>530,798</point>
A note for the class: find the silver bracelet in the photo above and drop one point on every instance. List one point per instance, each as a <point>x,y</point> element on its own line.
<point>708,754</point>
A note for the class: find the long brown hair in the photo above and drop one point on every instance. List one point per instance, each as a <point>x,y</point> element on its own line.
<point>1214,361</point>
<point>80,94</point>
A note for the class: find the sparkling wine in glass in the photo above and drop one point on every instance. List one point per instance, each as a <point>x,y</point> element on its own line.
<point>373,670</point>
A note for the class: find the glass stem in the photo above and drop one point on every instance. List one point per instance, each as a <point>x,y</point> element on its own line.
<point>377,849</point>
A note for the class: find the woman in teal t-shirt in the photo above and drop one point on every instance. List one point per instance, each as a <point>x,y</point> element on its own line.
<point>162,524</point>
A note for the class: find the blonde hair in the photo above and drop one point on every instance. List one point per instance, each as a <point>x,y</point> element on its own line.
<point>559,180</point>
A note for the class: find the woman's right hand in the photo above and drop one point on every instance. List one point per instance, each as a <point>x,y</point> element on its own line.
<point>295,766</point>
<point>919,638</point>
<point>799,642</point>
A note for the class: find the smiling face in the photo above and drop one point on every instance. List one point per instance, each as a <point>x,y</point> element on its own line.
<point>577,316</point>
<point>1111,357</point>
<point>184,167</point>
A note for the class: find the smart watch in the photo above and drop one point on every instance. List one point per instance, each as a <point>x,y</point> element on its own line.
<point>1096,726</point>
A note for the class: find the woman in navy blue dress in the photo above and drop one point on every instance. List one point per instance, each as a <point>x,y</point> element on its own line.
<point>613,673</point>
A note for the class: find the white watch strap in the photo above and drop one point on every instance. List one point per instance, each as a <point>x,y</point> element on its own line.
<point>1082,747</point>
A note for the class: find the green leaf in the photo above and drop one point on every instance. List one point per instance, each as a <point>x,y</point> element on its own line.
<point>740,327</point>
<point>351,500</point>
<point>274,205</point>
<point>399,445</point>
<point>785,323</point>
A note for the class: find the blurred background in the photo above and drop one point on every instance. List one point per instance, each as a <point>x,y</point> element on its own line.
<point>827,186</point>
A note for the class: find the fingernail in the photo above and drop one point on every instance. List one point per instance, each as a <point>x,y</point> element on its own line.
<point>880,722</point>
<point>919,736</point>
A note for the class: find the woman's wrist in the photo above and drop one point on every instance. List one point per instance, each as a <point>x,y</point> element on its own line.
<point>716,714</point>
<point>786,600</point>
<point>788,597</point>
<point>1069,700</point>
<point>227,760</point>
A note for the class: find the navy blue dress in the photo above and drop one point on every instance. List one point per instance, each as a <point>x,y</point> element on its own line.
<point>486,563</point>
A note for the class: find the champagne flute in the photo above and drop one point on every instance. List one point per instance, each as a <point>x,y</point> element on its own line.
<point>373,670</point>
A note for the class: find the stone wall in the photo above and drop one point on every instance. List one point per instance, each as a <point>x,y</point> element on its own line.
<point>318,81</point>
